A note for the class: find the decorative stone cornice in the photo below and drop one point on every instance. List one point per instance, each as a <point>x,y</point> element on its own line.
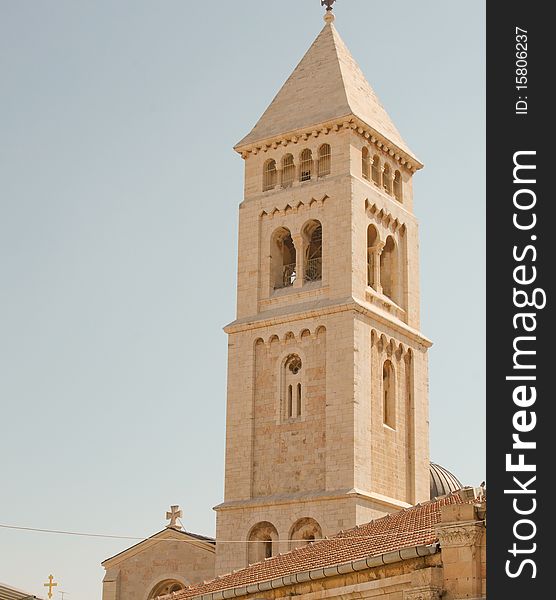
<point>284,210</point>
<point>384,217</point>
<point>309,497</point>
<point>349,122</point>
<point>319,308</point>
<point>459,534</point>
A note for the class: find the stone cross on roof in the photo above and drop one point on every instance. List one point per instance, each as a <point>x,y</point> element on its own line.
<point>173,515</point>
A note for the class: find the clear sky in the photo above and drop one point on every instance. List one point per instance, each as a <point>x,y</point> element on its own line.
<point>119,195</point>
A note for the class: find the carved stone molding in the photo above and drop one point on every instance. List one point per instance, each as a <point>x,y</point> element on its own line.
<point>282,211</point>
<point>459,535</point>
<point>384,217</point>
<point>355,124</point>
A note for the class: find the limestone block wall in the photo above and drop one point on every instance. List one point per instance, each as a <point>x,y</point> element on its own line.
<point>463,540</point>
<point>333,512</point>
<point>325,199</point>
<point>390,459</point>
<point>372,207</point>
<point>289,452</point>
<point>137,573</point>
<point>337,460</point>
<point>267,454</point>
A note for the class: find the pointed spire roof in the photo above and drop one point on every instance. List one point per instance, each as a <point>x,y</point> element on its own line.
<point>327,84</point>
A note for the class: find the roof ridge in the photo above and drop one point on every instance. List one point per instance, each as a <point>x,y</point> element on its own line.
<point>336,39</point>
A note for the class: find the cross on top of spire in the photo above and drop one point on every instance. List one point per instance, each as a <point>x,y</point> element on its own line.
<point>328,4</point>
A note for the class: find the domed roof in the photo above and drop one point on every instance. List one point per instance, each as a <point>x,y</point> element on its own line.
<point>442,482</point>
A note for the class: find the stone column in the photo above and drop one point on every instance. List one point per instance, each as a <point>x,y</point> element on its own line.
<point>461,537</point>
<point>375,252</point>
<point>298,242</point>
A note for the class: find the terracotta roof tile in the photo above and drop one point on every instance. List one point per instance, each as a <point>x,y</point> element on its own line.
<point>408,528</point>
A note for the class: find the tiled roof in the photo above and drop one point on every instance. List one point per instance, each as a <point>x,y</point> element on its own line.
<point>408,528</point>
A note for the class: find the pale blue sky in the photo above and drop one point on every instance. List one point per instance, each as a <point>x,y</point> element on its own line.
<point>118,257</point>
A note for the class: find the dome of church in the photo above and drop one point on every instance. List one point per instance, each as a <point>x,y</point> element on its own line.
<point>442,482</point>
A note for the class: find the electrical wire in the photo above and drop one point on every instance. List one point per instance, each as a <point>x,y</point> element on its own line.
<point>140,539</point>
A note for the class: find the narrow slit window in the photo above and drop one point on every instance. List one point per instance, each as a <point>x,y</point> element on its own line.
<point>388,394</point>
<point>298,399</point>
<point>290,401</point>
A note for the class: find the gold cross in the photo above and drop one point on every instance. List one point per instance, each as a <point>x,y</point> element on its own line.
<point>50,585</point>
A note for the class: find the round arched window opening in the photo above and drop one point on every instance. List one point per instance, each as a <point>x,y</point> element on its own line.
<point>260,542</point>
<point>168,586</point>
<point>304,531</point>
<point>294,364</point>
<point>292,388</point>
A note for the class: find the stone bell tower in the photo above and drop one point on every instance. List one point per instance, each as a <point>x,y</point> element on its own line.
<point>327,414</point>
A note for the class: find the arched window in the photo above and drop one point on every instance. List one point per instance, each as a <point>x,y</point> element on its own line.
<point>372,256</point>
<point>324,160</point>
<point>375,170</point>
<point>260,542</point>
<point>304,531</point>
<point>365,164</point>
<point>270,175</point>
<point>312,234</point>
<point>389,394</point>
<point>168,586</point>
<point>398,186</point>
<point>282,259</point>
<point>387,179</point>
<point>306,165</point>
<point>292,407</point>
<point>288,170</point>
<point>389,269</point>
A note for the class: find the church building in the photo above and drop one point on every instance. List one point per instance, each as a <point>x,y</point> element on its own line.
<point>329,489</point>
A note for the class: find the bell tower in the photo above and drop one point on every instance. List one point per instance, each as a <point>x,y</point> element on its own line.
<point>327,410</point>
